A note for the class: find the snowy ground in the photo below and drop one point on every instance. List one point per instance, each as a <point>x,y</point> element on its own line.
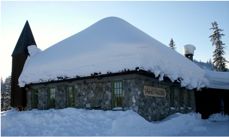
<point>73,121</point>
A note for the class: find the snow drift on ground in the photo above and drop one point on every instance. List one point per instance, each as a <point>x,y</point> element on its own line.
<point>71,121</point>
<point>110,45</point>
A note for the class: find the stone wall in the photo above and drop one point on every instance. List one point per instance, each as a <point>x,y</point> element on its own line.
<point>98,93</point>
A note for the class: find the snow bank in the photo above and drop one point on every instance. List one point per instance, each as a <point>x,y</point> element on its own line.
<point>219,117</point>
<point>110,45</point>
<point>79,122</point>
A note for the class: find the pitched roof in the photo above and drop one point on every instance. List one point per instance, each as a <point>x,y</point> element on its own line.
<point>217,80</point>
<point>110,45</point>
<point>26,38</point>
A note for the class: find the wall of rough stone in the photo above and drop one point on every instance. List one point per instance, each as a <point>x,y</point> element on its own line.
<point>154,108</point>
<point>97,93</point>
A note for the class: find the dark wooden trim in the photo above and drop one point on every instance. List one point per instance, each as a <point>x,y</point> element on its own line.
<point>101,76</point>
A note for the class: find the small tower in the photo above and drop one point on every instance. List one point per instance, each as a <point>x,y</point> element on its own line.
<point>189,51</point>
<point>19,56</point>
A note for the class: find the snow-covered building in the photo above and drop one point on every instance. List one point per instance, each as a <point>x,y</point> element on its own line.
<point>109,65</point>
<point>214,97</point>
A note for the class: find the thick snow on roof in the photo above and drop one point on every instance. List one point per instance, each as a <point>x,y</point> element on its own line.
<point>204,65</point>
<point>189,49</point>
<point>33,50</point>
<point>217,80</point>
<point>110,45</point>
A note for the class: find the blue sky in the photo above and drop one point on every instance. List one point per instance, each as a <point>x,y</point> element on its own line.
<point>51,22</point>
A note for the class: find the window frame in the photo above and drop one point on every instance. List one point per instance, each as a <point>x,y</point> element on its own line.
<point>70,102</point>
<point>34,99</point>
<point>52,97</point>
<point>172,97</point>
<point>118,89</point>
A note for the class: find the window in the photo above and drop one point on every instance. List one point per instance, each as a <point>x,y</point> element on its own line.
<point>34,99</point>
<point>172,104</point>
<point>52,93</point>
<point>52,96</point>
<point>118,94</point>
<point>181,97</point>
<point>189,99</point>
<point>71,97</point>
<point>118,91</point>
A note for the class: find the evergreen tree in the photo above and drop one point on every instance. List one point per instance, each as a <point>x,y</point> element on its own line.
<point>5,94</point>
<point>2,87</point>
<point>218,60</point>
<point>7,84</point>
<point>172,44</point>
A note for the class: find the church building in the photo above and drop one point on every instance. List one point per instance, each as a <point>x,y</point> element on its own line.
<point>111,65</point>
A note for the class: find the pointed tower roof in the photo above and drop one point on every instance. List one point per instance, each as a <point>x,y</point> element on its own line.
<point>26,38</point>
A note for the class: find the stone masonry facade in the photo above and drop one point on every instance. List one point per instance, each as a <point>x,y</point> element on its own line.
<point>106,93</point>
